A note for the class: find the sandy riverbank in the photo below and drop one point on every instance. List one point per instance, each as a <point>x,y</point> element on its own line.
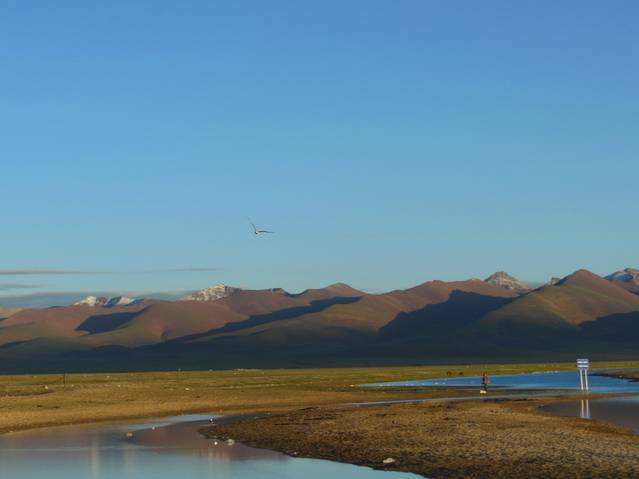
<point>484,439</point>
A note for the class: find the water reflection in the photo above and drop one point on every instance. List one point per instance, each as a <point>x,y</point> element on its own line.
<point>620,411</point>
<point>185,439</point>
<point>159,450</point>
<point>584,412</point>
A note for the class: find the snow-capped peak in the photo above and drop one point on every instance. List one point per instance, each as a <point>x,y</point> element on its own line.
<point>92,301</point>
<point>628,275</point>
<point>504,280</point>
<point>213,293</point>
<point>95,301</point>
<point>121,301</point>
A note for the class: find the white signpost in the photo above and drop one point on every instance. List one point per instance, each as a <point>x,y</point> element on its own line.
<point>582,366</point>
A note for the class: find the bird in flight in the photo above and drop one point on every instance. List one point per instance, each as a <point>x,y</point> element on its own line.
<point>259,232</point>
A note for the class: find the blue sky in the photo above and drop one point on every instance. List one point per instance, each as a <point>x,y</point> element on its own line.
<point>387,143</point>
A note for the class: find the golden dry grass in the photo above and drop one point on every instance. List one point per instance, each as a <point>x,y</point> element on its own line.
<point>34,401</point>
<point>457,440</point>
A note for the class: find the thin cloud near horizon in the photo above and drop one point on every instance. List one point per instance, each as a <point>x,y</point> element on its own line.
<point>63,272</point>
<point>18,286</point>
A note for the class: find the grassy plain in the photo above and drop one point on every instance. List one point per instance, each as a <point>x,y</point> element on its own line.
<point>468,439</point>
<point>29,401</point>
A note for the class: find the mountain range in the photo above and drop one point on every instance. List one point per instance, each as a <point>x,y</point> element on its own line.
<point>222,327</point>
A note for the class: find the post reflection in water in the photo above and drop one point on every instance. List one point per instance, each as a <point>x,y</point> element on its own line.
<point>622,411</point>
<point>95,458</point>
<point>164,449</point>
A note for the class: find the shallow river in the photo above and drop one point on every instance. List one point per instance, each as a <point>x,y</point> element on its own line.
<point>162,449</point>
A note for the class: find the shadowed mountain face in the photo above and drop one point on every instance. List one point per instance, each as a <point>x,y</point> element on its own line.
<point>102,323</point>
<point>315,306</point>
<point>336,325</point>
<point>582,296</point>
<point>86,327</point>
<point>342,325</point>
<point>443,319</point>
<point>551,317</point>
<point>621,327</point>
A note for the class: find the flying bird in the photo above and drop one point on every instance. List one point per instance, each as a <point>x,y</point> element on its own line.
<point>259,232</point>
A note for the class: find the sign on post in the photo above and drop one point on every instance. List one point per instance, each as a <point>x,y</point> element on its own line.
<point>582,366</point>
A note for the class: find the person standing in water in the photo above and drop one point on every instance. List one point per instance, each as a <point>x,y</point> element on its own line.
<point>484,382</point>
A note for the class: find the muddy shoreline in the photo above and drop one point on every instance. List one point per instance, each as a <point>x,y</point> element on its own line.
<point>632,376</point>
<point>478,439</point>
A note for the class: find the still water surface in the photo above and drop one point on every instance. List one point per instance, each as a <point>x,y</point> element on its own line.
<point>555,380</point>
<point>162,449</point>
<point>622,411</point>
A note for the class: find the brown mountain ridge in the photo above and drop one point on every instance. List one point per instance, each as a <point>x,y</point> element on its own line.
<point>334,325</point>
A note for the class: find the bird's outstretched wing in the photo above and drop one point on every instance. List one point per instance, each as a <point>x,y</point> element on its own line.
<point>265,231</point>
<point>253,225</point>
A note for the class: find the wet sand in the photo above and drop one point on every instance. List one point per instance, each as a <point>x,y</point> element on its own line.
<point>475,439</point>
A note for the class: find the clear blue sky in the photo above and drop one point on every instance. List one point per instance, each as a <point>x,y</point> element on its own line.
<point>386,142</point>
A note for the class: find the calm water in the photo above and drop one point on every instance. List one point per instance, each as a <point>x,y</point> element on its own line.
<point>554,380</point>
<point>621,411</point>
<point>161,449</point>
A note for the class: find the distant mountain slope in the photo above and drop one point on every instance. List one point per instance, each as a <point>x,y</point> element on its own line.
<point>627,278</point>
<point>66,317</point>
<point>95,301</point>
<point>467,317</point>
<point>442,320</point>
<point>6,312</point>
<point>553,314</point>
<point>95,324</point>
<point>504,280</point>
<point>52,299</point>
<point>582,296</point>
<point>346,323</point>
<point>159,321</point>
<point>58,322</point>
<point>258,302</point>
<point>213,293</point>
<point>470,320</point>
